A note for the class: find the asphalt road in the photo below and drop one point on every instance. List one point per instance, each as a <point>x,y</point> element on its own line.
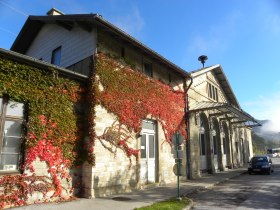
<point>257,191</point>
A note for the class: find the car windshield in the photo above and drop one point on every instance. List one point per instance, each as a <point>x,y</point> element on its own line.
<point>259,159</point>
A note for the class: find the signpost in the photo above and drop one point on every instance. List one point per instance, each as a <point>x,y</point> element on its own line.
<point>177,140</point>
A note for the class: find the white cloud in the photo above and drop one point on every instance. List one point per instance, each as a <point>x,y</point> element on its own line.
<point>268,17</point>
<point>266,108</point>
<point>273,24</point>
<point>131,22</point>
<point>217,37</point>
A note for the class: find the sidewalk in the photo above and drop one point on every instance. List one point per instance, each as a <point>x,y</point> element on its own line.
<point>139,198</point>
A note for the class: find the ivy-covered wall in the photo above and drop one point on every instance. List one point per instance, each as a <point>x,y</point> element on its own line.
<point>53,133</point>
<point>135,58</point>
<point>132,96</point>
<point>124,98</point>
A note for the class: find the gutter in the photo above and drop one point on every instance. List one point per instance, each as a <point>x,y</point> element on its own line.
<point>99,19</point>
<point>187,121</point>
<point>41,64</point>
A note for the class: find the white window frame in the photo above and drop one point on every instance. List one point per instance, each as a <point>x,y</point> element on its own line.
<point>212,91</point>
<point>5,134</point>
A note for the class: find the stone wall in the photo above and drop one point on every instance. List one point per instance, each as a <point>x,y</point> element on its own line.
<point>41,170</point>
<point>166,160</point>
<point>114,172</point>
<point>240,143</point>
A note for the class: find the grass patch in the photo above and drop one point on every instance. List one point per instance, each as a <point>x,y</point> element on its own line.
<point>171,204</point>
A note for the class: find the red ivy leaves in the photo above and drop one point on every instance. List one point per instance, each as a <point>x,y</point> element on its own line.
<point>55,97</point>
<point>132,97</point>
<point>52,155</point>
<point>17,188</point>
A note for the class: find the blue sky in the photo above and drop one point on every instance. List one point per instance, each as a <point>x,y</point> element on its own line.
<point>241,35</point>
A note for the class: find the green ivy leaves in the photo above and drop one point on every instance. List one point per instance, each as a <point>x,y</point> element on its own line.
<point>44,94</point>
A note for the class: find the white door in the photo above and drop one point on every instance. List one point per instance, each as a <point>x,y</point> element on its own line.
<point>148,157</point>
<point>225,160</point>
<point>203,161</point>
<point>148,154</point>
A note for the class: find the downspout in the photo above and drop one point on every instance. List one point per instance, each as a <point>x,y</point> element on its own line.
<point>187,121</point>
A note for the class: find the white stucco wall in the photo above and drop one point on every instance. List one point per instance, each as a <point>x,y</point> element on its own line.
<point>76,44</point>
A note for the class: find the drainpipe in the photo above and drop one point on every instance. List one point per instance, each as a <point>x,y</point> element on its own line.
<point>187,121</point>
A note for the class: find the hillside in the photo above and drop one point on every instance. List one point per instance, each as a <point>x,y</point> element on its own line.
<point>260,144</point>
<point>263,138</point>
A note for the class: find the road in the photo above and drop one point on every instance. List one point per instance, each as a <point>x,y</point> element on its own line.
<point>245,192</point>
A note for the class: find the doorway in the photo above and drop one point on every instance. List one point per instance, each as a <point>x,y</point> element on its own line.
<point>203,160</point>
<point>226,147</point>
<point>148,152</point>
<point>204,144</point>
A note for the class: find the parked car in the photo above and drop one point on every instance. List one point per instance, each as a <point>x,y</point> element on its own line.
<point>260,164</point>
<point>275,155</point>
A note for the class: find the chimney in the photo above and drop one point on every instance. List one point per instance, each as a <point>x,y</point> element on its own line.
<point>54,11</point>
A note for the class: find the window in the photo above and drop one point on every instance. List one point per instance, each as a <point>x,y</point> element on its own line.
<point>11,118</point>
<point>169,78</point>
<point>56,56</point>
<point>123,52</point>
<point>259,159</point>
<point>212,92</point>
<point>148,69</point>
<point>143,146</point>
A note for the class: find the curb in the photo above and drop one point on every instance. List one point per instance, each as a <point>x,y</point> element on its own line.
<point>191,204</point>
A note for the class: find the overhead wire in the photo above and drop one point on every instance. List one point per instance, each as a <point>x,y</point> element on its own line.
<point>5,30</point>
<point>13,8</point>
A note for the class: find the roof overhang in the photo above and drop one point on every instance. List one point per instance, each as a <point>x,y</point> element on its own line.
<point>41,64</point>
<point>228,112</point>
<point>88,22</point>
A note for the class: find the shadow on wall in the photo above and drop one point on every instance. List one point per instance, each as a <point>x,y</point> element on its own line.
<point>76,174</point>
<point>117,182</point>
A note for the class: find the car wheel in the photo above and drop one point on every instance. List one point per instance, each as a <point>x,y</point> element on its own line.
<point>269,172</point>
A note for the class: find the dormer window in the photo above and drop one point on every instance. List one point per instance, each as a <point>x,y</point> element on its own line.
<point>212,92</point>
<point>56,56</point>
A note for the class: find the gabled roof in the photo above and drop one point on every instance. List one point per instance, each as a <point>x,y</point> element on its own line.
<point>34,24</point>
<point>41,64</point>
<point>230,110</point>
<point>223,81</point>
